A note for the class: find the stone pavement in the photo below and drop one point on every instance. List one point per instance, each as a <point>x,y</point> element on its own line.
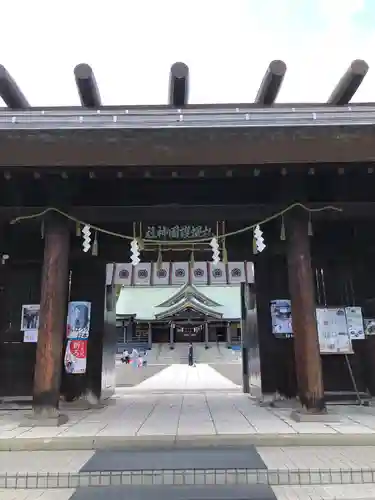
<point>190,419</point>
<point>183,378</point>
<point>178,377</point>
<point>348,492</point>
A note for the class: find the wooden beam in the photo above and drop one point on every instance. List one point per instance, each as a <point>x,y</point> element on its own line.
<point>158,147</point>
<point>52,320</point>
<point>10,92</point>
<point>179,85</point>
<point>349,83</point>
<point>87,86</point>
<point>271,83</point>
<point>302,294</point>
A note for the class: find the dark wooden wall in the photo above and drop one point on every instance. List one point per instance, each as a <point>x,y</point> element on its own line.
<point>19,284</point>
<point>348,268</point>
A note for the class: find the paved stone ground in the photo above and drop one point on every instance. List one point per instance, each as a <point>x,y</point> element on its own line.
<point>190,407</point>
<point>289,458</point>
<point>201,377</point>
<point>210,417</point>
<point>348,492</point>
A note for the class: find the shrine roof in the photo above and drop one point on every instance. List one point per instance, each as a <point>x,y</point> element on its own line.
<point>144,302</point>
<point>258,132</point>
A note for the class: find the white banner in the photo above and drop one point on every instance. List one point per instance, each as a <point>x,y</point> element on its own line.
<point>236,272</point>
<point>123,275</point>
<point>160,274</point>
<point>142,274</point>
<point>199,273</point>
<point>180,273</point>
<point>250,272</point>
<point>217,273</point>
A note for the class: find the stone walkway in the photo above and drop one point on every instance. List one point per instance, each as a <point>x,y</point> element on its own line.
<point>348,492</point>
<point>190,418</point>
<point>187,378</point>
<point>292,458</point>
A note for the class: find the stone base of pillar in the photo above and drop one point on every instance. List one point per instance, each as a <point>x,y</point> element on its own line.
<point>45,417</point>
<point>306,416</point>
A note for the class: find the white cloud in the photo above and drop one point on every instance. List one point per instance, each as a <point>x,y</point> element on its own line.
<point>226,43</point>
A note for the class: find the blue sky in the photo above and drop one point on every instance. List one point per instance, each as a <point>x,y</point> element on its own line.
<point>226,43</point>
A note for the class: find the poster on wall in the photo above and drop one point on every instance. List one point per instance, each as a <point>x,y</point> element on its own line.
<point>333,332</point>
<point>30,322</point>
<point>77,333</point>
<point>354,320</point>
<point>281,314</point>
<point>78,324</point>
<point>369,326</point>
<point>75,360</point>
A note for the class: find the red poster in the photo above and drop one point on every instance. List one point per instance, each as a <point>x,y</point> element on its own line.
<point>76,356</point>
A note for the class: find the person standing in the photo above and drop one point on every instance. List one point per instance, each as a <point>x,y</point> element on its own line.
<point>191,355</point>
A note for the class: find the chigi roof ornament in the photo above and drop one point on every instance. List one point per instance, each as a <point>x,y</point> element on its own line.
<point>178,94</point>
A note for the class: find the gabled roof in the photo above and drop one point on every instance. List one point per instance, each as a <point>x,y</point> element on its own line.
<point>187,304</point>
<point>144,303</point>
<point>189,292</point>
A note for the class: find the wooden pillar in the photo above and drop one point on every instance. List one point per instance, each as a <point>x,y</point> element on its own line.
<point>52,318</point>
<point>302,294</point>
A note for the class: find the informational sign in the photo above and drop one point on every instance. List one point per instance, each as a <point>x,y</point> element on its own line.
<point>30,322</point>
<point>178,232</point>
<point>78,324</point>
<point>354,320</point>
<point>281,314</point>
<point>75,359</point>
<point>77,332</point>
<point>333,332</point>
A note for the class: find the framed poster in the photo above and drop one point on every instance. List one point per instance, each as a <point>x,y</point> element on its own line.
<point>333,332</point>
<point>281,314</point>
<point>354,320</point>
<point>78,323</point>
<point>30,322</point>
